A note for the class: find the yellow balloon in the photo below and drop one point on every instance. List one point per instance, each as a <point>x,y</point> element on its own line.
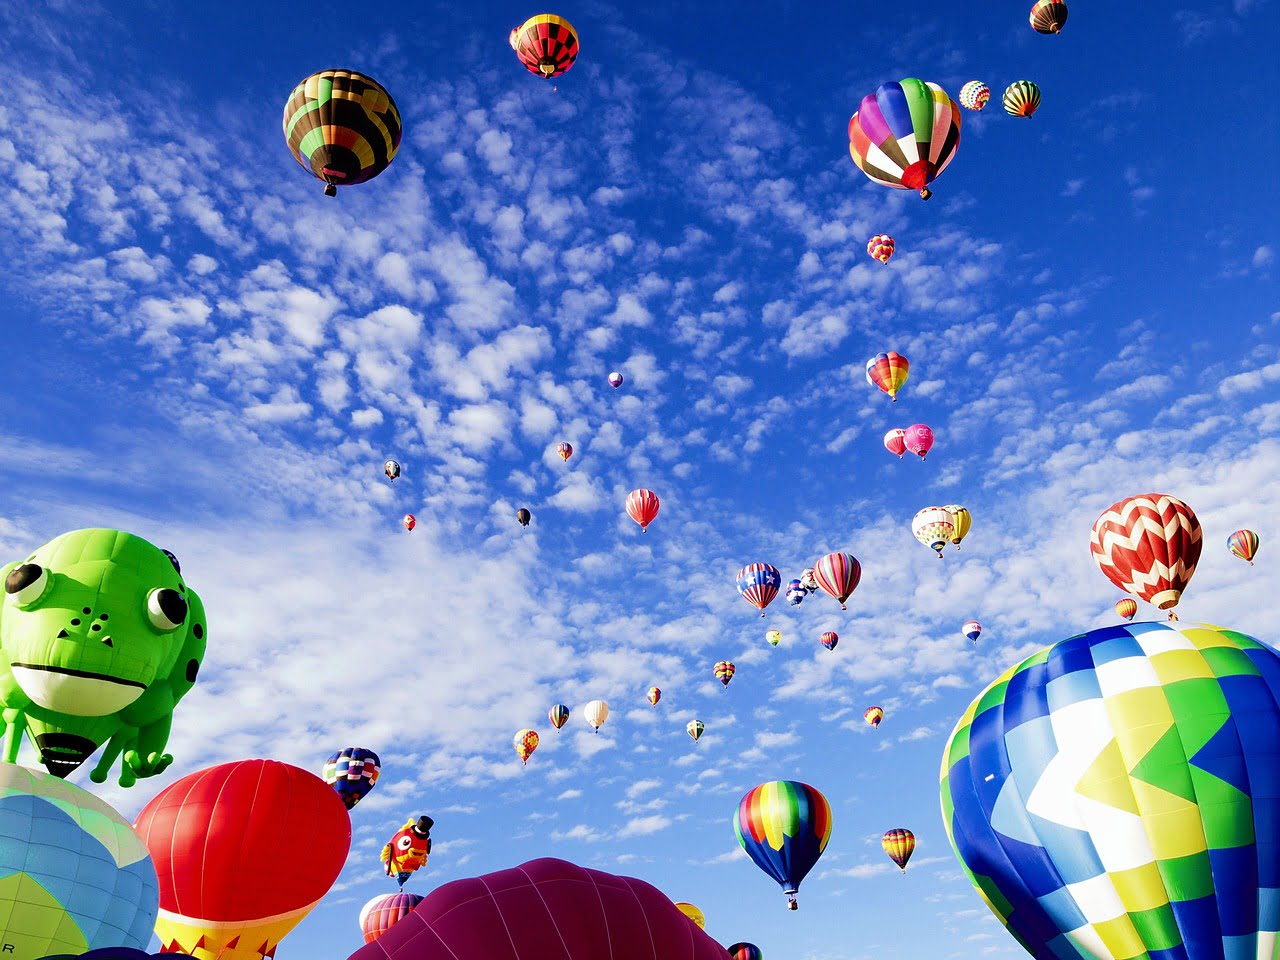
<point>693,913</point>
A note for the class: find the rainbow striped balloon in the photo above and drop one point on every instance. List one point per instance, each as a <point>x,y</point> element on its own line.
<point>784,826</point>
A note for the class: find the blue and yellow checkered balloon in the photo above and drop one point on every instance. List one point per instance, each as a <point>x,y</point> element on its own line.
<point>1117,795</point>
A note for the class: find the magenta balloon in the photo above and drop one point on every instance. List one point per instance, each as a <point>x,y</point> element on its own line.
<point>918,439</point>
<point>544,910</point>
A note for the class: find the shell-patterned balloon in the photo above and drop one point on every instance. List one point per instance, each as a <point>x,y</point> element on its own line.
<point>934,527</point>
<point>526,742</point>
<point>880,247</point>
<point>1148,546</point>
<point>975,95</point>
<point>1021,99</point>
<point>1048,16</point>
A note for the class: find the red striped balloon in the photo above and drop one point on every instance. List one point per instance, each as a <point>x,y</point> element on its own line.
<point>381,913</point>
<point>1148,546</point>
<point>838,574</point>
<point>642,507</point>
<point>745,951</point>
<point>1127,607</point>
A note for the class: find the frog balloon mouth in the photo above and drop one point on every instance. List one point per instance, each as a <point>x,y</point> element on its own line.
<point>76,692</point>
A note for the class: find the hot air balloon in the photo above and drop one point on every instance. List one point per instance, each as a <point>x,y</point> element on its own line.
<point>526,742</point>
<point>342,127</point>
<point>408,849</point>
<point>694,728</point>
<point>615,380</point>
<point>1048,16</point>
<point>796,593</point>
<point>382,913</point>
<point>873,715</point>
<point>784,826</point>
<point>758,583</point>
<point>564,449</point>
<point>73,875</point>
<point>899,843</point>
<point>391,469</point>
<point>895,441</point>
<point>918,439</point>
<point>809,579</point>
<point>352,772</point>
<point>546,44</point>
<point>962,519</point>
<point>559,715</point>
<point>880,247</point>
<point>830,639</point>
<point>234,876</point>
<point>596,712</point>
<point>934,527</point>
<point>1120,787</point>
<point>523,517</point>
<point>972,630</point>
<point>653,696</point>
<point>409,521</point>
<point>888,371</point>
<point>642,507</point>
<point>975,95</point>
<point>540,910</point>
<point>773,636</point>
<point>745,951</point>
<point>1148,546</point>
<point>905,134</point>
<point>1243,544</point>
<point>1127,607</point>
<point>724,671</point>
<point>1021,99</point>
<point>838,575</point>
<point>693,913</point>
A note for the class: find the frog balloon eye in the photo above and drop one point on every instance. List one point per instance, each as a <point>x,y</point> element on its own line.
<point>405,843</point>
<point>166,609</point>
<point>27,583</point>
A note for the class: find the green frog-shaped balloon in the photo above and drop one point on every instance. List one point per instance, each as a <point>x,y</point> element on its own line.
<point>100,638</point>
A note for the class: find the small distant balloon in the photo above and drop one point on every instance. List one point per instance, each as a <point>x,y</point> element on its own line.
<point>838,574</point>
<point>934,527</point>
<point>596,712</point>
<point>918,438</point>
<point>615,379</point>
<point>888,371</point>
<point>547,45</point>
<point>972,630</point>
<point>1127,607</point>
<point>758,583</point>
<point>693,913</point>
<point>880,247</point>
<point>895,441</point>
<point>962,519</point>
<point>559,715</point>
<point>524,516</point>
<point>1048,16</point>
<point>873,715</point>
<point>724,671</point>
<point>526,742</point>
<point>796,593</point>
<point>653,696</point>
<point>642,507</point>
<point>809,579</point>
<point>391,469</point>
<point>409,521</point>
<point>975,95</point>
<point>353,772</point>
<point>773,636</point>
<point>694,728</point>
<point>830,639</point>
<point>1243,544</point>
<point>745,951</point>
<point>564,449</point>
<point>899,844</point>
<point>1021,99</point>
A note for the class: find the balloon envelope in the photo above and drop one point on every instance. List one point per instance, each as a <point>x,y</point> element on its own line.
<point>352,772</point>
<point>73,874</point>
<point>1148,546</point>
<point>233,870</point>
<point>382,913</point>
<point>758,583</point>
<point>905,134</point>
<point>693,913</point>
<point>342,127</point>
<point>1243,544</point>
<point>745,951</point>
<point>783,826</point>
<point>1118,794</point>
<point>544,910</point>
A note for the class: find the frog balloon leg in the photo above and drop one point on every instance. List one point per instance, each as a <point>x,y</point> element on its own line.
<point>100,637</point>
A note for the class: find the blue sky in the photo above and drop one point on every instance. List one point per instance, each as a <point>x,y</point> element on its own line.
<point>203,349</point>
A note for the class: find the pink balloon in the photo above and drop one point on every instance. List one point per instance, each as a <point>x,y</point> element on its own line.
<point>544,910</point>
<point>918,439</point>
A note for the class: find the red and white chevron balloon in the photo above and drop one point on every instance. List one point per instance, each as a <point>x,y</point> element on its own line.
<point>1148,546</point>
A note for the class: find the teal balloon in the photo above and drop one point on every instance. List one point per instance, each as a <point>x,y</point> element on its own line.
<point>74,876</point>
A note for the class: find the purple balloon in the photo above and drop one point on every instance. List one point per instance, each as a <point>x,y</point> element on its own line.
<point>544,910</point>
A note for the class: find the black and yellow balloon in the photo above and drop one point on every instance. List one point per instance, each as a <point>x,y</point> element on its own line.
<point>342,126</point>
